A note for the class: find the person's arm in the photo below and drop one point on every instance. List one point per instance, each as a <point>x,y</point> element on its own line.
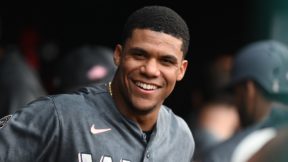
<point>30,134</point>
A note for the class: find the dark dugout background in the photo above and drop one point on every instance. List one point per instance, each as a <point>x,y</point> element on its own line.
<point>215,28</point>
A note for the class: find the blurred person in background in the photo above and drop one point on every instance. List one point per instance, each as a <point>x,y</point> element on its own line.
<point>265,145</point>
<point>19,83</point>
<point>50,54</point>
<point>216,122</point>
<point>84,66</point>
<point>274,150</point>
<point>259,82</point>
<point>217,118</point>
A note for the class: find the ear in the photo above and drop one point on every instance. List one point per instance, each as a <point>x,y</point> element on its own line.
<point>251,89</point>
<point>251,97</point>
<point>117,54</point>
<point>182,70</point>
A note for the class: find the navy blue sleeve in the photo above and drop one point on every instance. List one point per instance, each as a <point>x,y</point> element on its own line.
<point>30,134</point>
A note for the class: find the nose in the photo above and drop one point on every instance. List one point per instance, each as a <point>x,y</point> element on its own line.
<point>150,68</point>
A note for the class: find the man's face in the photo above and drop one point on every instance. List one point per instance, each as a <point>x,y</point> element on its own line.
<point>149,64</point>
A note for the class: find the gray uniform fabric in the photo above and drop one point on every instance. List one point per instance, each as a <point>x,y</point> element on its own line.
<point>223,151</point>
<point>86,126</point>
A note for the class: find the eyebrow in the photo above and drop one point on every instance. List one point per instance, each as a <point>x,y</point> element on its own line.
<point>140,50</point>
<point>137,50</point>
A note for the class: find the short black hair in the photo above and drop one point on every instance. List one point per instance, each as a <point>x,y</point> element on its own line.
<point>160,19</point>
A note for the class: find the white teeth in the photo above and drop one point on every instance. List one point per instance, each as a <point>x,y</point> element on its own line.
<point>146,86</point>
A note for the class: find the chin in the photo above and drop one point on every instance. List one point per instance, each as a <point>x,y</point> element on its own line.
<point>141,109</point>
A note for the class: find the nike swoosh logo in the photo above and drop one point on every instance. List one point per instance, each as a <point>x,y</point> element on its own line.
<point>97,131</point>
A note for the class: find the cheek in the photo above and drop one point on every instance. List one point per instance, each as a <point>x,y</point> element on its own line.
<point>170,75</point>
<point>129,66</point>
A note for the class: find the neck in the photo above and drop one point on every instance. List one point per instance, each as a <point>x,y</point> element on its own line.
<point>146,123</point>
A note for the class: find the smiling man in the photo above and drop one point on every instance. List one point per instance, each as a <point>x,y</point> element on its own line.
<point>124,120</point>
<point>149,63</point>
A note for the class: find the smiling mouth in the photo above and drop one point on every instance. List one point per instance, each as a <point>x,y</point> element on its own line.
<point>146,86</point>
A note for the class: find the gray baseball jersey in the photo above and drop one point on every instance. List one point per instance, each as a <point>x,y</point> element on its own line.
<point>86,126</point>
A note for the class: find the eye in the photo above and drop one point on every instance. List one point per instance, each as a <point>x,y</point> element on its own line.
<point>168,61</point>
<point>138,55</point>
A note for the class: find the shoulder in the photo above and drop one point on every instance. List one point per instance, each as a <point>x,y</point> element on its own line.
<point>174,119</point>
<point>175,122</point>
<point>174,129</point>
<point>81,94</point>
<point>80,104</point>
<point>81,98</point>
<point>254,142</point>
<point>56,108</point>
<point>33,117</point>
<point>61,104</point>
